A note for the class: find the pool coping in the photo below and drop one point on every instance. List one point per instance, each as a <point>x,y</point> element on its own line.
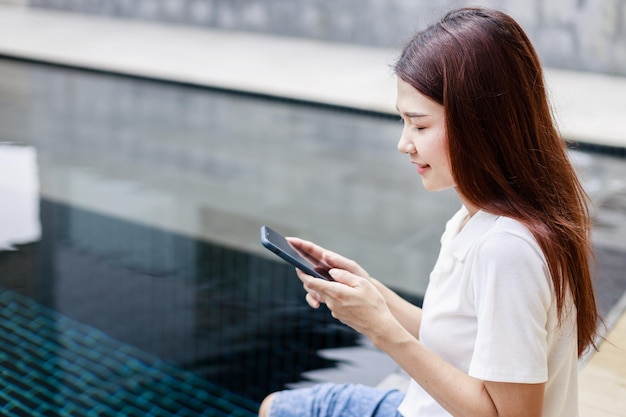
<point>588,107</point>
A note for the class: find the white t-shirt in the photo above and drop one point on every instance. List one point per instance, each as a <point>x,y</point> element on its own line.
<point>490,311</point>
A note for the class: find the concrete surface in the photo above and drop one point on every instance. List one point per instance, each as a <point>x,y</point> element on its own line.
<point>589,107</point>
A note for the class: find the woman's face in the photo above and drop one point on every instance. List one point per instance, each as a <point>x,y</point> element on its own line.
<point>424,137</point>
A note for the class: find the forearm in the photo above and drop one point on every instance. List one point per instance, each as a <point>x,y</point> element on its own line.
<point>409,315</point>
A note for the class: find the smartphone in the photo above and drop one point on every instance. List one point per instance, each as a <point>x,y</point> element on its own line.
<point>277,244</point>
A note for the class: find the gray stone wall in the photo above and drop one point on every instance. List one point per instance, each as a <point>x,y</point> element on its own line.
<point>584,35</point>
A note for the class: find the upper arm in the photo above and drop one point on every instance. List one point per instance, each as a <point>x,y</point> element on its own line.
<point>512,298</point>
<point>512,302</point>
<point>516,400</point>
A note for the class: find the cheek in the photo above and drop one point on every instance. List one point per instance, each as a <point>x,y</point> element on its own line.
<point>439,149</point>
<point>443,158</point>
<point>446,163</point>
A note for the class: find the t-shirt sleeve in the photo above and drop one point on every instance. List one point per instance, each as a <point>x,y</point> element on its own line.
<point>512,296</point>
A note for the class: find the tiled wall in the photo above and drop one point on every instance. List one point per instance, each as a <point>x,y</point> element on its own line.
<point>574,34</point>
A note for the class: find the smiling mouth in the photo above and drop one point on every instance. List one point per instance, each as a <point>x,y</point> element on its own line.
<point>422,168</point>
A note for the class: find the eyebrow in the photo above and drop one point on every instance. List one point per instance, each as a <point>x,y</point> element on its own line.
<point>412,115</point>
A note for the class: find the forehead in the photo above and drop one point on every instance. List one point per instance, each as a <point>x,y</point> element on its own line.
<point>410,100</point>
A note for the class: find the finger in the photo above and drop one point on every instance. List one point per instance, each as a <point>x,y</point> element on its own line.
<point>309,284</point>
<point>312,300</point>
<point>332,259</point>
<point>345,277</point>
<point>337,261</point>
<point>314,294</point>
<point>303,276</point>
<point>321,288</point>
<point>316,251</point>
<point>309,247</point>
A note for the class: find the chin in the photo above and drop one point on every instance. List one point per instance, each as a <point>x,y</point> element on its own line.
<point>437,187</point>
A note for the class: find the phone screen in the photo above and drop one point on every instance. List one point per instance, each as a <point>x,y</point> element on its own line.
<point>276,243</point>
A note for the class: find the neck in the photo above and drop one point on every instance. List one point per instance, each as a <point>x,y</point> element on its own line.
<point>472,209</point>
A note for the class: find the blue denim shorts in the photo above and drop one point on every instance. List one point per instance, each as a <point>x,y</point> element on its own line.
<point>336,400</point>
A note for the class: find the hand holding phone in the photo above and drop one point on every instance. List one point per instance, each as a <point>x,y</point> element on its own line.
<point>277,244</point>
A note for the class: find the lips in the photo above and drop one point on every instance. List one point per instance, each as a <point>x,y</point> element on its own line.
<point>421,168</point>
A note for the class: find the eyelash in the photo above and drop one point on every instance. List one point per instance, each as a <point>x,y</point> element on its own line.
<point>417,129</point>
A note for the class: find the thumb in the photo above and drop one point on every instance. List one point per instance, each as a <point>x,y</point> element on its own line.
<point>335,260</point>
<point>344,277</point>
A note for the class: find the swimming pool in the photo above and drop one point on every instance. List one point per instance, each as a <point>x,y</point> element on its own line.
<point>130,235</point>
<point>139,207</point>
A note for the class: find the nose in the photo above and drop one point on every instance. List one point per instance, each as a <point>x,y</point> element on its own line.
<point>405,146</point>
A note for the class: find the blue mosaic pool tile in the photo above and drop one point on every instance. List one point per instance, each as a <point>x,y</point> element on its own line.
<point>51,365</point>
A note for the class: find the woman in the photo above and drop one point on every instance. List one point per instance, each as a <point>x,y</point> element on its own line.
<point>510,306</point>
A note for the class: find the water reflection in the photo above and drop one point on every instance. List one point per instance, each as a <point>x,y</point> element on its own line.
<point>19,211</point>
<point>217,166</point>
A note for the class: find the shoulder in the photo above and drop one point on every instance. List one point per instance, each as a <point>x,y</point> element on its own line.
<point>502,252</point>
<point>497,238</point>
<point>509,237</point>
<point>506,261</point>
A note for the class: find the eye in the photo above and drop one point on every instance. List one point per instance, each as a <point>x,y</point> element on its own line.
<point>413,127</point>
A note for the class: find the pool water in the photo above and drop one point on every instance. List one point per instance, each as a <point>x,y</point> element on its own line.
<point>131,214</point>
<point>132,279</point>
<point>237,319</point>
<point>55,366</point>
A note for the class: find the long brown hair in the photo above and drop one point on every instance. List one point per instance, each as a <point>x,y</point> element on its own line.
<point>506,155</point>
